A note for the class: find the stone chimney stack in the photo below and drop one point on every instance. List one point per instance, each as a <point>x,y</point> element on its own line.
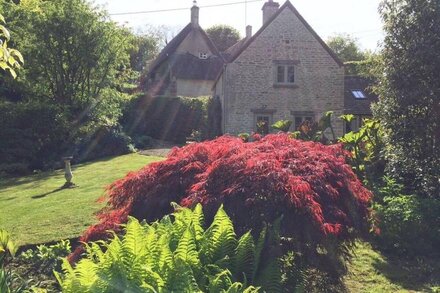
<point>269,9</point>
<point>195,14</point>
<point>248,31</point>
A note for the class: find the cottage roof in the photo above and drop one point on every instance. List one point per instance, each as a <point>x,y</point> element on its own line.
<point>187,65</point>
<point>357,105</point>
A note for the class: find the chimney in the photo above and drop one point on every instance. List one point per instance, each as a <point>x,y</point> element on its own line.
<point>248,31</point>
<point>269,9</point>
<point>195,14</point>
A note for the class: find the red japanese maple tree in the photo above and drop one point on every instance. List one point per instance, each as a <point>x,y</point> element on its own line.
<point>309,183</point>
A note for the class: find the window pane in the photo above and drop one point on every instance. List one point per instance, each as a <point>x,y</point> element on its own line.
<point>358,94</point>
<point>290,74</point>
<point>310,119</point>
<point>280,74</point>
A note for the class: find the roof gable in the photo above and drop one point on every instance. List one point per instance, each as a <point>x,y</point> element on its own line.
<point>174,44</point>
<point>286,5</point>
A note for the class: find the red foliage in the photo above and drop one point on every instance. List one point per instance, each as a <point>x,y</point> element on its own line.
<point>309,183</point>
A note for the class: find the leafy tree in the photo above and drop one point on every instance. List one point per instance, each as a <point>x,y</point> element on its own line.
<point>409,107</point>
<point>77,54</point>
<point>347,49</point>
<point>144,48</point>
<point>223,36</point>
<point>10,59</point>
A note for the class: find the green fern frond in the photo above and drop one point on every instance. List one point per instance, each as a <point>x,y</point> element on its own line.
<point>198,221</point>
<point>270,277</point>
<point>258,252</point>
<point>252,289</point>
<point>187,249</point>
<point>181,279</point>
<point>244,257</point>
<point>220,282</point>
<point>219,240</point>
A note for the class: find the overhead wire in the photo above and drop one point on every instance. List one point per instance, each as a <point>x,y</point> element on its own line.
<point>182,8</point>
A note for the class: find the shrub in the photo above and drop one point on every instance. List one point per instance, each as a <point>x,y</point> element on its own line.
<point>106,141</point>
<point>214,118</point>
<point>322,201</point>
<point>14,169</point>
<point>143,141</point>
<point>177,254</point>
<point>32,134</point>
<point>164,118</point>
<point>409,224</point>
<point>47,257</point>
<point>367,146</point>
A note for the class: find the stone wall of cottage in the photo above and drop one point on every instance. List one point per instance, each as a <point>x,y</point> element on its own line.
<point>250,80</point>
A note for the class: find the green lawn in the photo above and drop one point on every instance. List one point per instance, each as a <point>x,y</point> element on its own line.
<point>370,271</point>
<point>35,210</point>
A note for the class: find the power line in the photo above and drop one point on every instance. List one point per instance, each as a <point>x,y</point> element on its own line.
<point>186,8</point>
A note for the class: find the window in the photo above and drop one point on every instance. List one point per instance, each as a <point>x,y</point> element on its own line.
<point>358,94</point>
<point>285,74</point>
<point>299,117</point>
<point>300,120</point>
<point>262,124</point>
<point>203,55</point>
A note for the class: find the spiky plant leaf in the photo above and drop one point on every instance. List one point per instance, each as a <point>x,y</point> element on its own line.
<point>219,239</point>
<point>270,277</point>
<point>244,258</point>
<point>187,249</point>
<point>258,252</point>
<point>181,278</point>
<point>198,220</point>
<point>220,282</point>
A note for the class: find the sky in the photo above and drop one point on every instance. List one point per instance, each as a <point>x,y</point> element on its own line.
<point>359,18</point>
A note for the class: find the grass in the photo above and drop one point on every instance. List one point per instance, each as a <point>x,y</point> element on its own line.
<point>35,210</point>
<point>371,271</point>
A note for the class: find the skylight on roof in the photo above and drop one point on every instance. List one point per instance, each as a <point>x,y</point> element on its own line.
<point>358,94</point>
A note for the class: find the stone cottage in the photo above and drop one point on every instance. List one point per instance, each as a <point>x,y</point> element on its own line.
<point>187,66</point>
<point>285,71</point>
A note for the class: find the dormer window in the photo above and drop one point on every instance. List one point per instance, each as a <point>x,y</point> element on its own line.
<point>203,55</point>
<point>358,94</point>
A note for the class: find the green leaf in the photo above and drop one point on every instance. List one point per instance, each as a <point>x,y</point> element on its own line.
<point>16,54</point>
<point>5,32</point>
<point>347,117</point>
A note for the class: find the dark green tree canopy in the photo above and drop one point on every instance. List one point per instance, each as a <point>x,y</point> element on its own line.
<point>410,92</point>
<point>75,55</point>
<point>223,36</point>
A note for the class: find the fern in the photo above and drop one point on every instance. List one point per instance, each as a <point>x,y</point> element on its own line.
<point>245,257</point>
<point>176,254</point>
